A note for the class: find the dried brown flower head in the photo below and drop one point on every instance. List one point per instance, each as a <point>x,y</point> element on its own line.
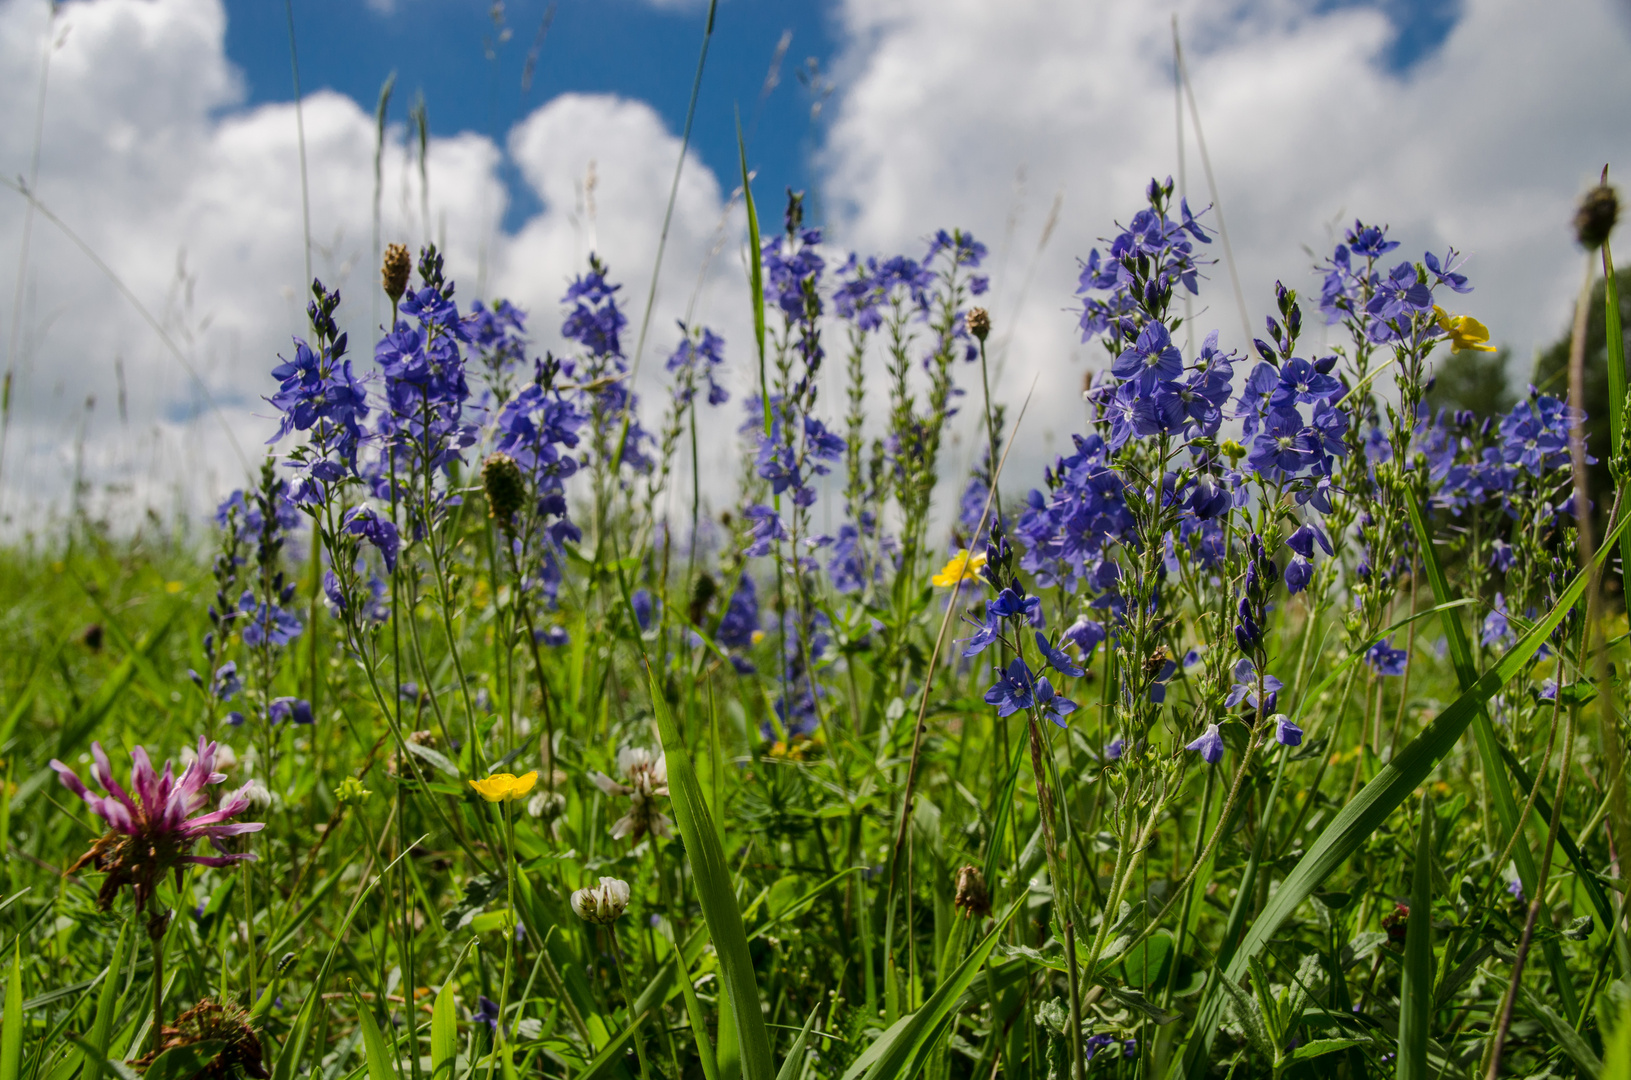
<point>394,271</point>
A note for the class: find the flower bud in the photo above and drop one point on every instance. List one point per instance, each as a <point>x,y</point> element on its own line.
<point>394,271</point>
<point>1595,218</point>
<point>602,904</point>
<point>506,490</point>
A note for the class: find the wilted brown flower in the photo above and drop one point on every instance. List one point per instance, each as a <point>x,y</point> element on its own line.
<point>972,896</point>
<point>979,323</point>
<point>208,1021</point>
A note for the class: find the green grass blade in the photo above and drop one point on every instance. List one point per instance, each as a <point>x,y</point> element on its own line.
<point>79,727</point>
<point>107,1005</point>
<point>715,892</point>
<point>375,1053</point>
<point>1483,732</point>
<point>1397,779</point>
<point>11,1024</point>
<point>610,1058</point>
<point>444,1033</point>
<point>1416,977</point>
<point>1615,334</point>
<point>900,1051</point>
<point>793,1064</point>
<point>756,272</point>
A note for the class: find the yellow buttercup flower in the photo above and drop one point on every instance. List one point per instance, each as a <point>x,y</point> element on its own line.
<point>962,567</point>
<point>1465,332</point>
<point>503,787</point>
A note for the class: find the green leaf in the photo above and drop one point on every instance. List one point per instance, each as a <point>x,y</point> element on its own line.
<point>11,1024</point>
<point>375,1052</point>
<point>1250,1019</point>
<point>715,892</point>
<point>184,1062</point>
<point>1146,963</point>
<point>1321,1047</point>
<point>444,1033</point>
<point>1563,1034</point>
<point>1416,977</point>
<point>900,1051</point>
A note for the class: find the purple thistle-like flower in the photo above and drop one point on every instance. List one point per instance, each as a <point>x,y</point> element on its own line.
<point>151,830</point>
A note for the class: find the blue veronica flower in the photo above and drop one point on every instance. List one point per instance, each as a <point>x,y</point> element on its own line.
<point>1051,704</point>
<point>1387,660</point>
<point>1085,634</point>
<point>644,608</point>
<point>1400,295</point>
<point>266,623</point>
<point>1307,535</point>
<point>1057,659</point>
<point>986,634</point>
<point>699,354</point>
<point>1299,572</point>
<point>1497,629</point>
<point>1300,382</point>
<point>1010,604</point>
<point>1152,358</point>
<point>297,710</point>
<point>1209,745</point>
<point>766,530</point>
<point>1114,749</point>
<point>1286,733</point>
<point>1012,690</point>
<point>741,619</point>
<point>380,532</point>
<point>1245,687</point>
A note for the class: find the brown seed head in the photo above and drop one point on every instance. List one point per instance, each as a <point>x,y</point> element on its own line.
<point>1594,220</point>
<point>394,271</point>
<point>972,896</point>
<point>506,489</point>
<point>979,322</point>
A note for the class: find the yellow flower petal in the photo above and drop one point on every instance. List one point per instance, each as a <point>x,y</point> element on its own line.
<point>962,567</point>
<point>523,784</point>
<point>495,788</point>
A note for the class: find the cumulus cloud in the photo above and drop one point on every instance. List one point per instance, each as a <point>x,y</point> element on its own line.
<point>946,112</point>
<point>1485,145</point>
<point>194,204</point>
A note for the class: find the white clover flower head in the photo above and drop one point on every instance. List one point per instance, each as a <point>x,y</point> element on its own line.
<point>256,792</point>
<point>644,779</point>
<point>602,904</point>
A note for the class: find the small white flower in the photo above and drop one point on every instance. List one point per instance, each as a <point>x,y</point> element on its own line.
<point>603,903</point>
<point>257,794</point>
<point>646,778</point>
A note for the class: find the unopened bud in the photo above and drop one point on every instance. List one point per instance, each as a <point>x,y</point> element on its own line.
<point>979,323</point>
<point>394,271</point>
<point>1595,218</point>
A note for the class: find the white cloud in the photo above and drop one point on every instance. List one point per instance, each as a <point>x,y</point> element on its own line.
<point>194,200</point>
<point>1485,145</point>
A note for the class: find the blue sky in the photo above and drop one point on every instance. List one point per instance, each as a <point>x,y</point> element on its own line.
<point>444,48</point>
